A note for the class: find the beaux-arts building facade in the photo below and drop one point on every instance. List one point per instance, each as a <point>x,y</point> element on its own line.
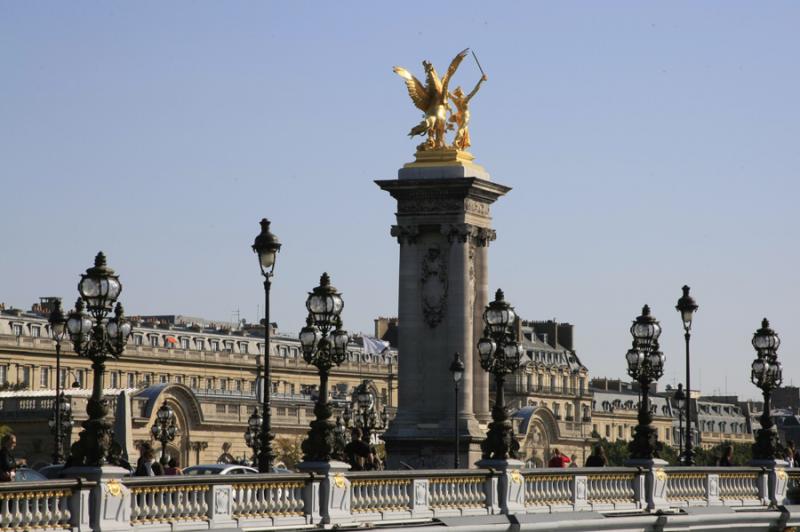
<point>206,373</point>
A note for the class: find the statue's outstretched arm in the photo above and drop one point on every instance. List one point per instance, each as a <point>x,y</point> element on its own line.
<point>475,90</point>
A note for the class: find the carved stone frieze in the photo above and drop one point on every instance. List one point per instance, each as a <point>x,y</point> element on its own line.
<point>476,207</point>
<point>433,277</point>
<point>405,234</point>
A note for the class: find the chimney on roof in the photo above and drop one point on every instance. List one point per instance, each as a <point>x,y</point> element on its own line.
<point>547,331</point>
<point>565,335</point>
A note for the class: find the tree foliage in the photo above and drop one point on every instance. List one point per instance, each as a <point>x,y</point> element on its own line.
<point>288,451</point>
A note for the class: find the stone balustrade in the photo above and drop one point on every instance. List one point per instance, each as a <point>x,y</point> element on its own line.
<point>367,499</point>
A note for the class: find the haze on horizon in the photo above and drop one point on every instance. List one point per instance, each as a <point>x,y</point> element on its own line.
<point>648,146</point>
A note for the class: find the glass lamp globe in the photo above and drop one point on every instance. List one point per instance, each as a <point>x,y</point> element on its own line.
<point>324,303</point>
<point>78,324</point>
<point>58,323</point>
<point>765,339</point>
<point>645,329</point>
<point>99,286</point>
<point>456,369</point>
<point>499,315</point>
<point>309,339</point>
<point>486,349</point>
<point>267,246</point>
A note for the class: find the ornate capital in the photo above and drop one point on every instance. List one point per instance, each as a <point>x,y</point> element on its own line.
<point>476,236</point>
<point>484,235</point>
<point>405,234</point>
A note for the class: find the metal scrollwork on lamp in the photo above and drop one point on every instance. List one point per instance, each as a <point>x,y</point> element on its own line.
<point>365,417</point>
<point>164,429</point>
<point>500,355</point>
<point>324,345</point>
<point>766,373</point>
<point>645,365</point>
<point>252,436</point>
<point>97,337</point>
<point>61,425</point>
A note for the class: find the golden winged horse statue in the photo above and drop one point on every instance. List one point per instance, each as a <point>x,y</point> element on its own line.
<point>431,99</point>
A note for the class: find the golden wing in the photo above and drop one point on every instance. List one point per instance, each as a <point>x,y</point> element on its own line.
<point>452,69</point>
<point>415,87</point>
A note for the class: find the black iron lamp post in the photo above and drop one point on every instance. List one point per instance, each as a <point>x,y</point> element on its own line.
<point>366,418</point>
<point>645,365</point>
<point>58,331</point>
<point>97,337</point>
<point>679,398</point>
<point>687,307</point>
<point>500,355</point>
<point>164,429</point>
<point>324,345</point>
<point>267,246</point>
<point>252,436</point>
<point>457,371</point>
<point>767,374</point>
<point>60,425</point>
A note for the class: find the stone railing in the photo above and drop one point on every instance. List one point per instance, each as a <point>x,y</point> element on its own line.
<point>37,505</point>
<point>398,498</point>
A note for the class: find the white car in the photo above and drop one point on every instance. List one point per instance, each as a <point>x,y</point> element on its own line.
<point>219,469</point>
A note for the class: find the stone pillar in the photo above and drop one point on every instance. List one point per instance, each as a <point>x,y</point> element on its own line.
<point>480,384</point>
<point>443,227</point>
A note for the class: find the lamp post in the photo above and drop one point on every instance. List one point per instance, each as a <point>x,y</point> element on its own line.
<point>680,402</point>
<point>60,425</point>
<point>267,246</point>
<point>366,417</point>
<point>324,344</point>
<point>687,307</point>
<point>457,371</point>
<point>767,374</point>
<point>252,436</point>
<point>500,355</point>
<point>164,429</point>
<point>645,365</point>
<point>58,331</point>
<point>97,337</point>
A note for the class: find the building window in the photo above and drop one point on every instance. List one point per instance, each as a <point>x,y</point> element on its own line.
<point>193,383</point>
<point>608,431</point>
<point>162,379</point>
<point>17,329</point>
<point>619,432</point>
<point>25,376</point>
<point>199,344</point>
<point>552,384</point>
<point>153,341</point>
<point>260,348</point>
<point>137,339</point>
<point>44,377</point>
<point>131,380</point>
<point>557,410</point>
<point>594,429</point>
<point>582,384</point>
<point>148,378</point>
<point>214,345</point>
<point>529,381</point>
<point>209,384</point>
<point>223,385</point>
<point>184,343</point>
<point>565,384</point>
<point>243,349</point>
<point>3,375</point>
<point>36,331</point>
<point>80,377</point>
<point>179,379</point>
<point>114,379</point>
<point>540,382</point>
<point>239,385</point>
<point>228,346</point>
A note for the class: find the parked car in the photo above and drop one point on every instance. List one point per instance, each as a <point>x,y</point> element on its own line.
<point>219,469</point>
<point>25,474</point>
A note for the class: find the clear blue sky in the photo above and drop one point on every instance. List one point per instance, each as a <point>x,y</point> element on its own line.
<point>648,145</point>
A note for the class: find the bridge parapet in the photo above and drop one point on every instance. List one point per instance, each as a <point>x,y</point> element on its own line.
<point>165,504</point>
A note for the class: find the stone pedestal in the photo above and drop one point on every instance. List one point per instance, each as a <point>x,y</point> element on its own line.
<point>651,484</point>
<point>329,494</point>
<point>508,486</point>
<point>104,507</point>
<point>443,228</point>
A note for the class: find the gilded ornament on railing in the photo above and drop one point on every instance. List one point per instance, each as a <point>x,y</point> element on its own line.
<point>516,478</point>
<point>338,480</point>
<point>433,99</point>
<point>661,475</point>
<point>781,473</point>
<point>114,488</point>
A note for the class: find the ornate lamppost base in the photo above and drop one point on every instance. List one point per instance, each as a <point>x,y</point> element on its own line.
<point>766,449</point>
<point>500,443</point>
<point>321,441</point>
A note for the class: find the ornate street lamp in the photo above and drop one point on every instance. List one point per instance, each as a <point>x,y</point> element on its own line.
<point>324,344</point>
<point>267,246</point>
<point>164,429</point>
<point>58,331</point>
<point>645,365</point>
<point>500,355</point>
<point>679,399</point>
<point>366,417</point>
<point>687,307</point>
<point>60,425</point>
<point>767,374</point>
<point>252,436</point>
<point>97,337</point>
<point>457,371</point>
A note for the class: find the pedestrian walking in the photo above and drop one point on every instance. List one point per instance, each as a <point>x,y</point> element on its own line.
<point>598,457</point>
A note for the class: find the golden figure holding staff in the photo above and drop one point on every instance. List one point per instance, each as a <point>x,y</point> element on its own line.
<point>431,99</point>
<point>461,116</point>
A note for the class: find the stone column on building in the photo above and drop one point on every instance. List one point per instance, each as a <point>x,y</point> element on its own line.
<point>443,228</point>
